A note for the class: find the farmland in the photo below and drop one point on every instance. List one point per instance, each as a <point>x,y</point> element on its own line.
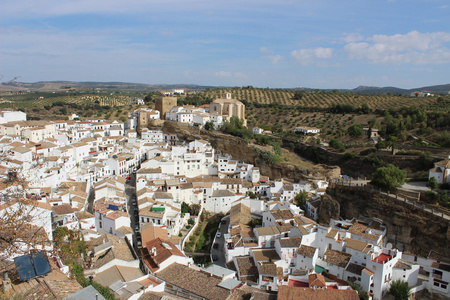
<point>49,105</point>
<point>321,99</point>
<point>272,109</point>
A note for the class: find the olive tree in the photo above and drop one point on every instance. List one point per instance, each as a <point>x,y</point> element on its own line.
<point>389,177</point>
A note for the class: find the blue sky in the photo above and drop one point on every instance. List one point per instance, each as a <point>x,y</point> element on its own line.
<point>283,43</point>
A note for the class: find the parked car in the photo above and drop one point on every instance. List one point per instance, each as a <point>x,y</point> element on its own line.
<point>138,239</point>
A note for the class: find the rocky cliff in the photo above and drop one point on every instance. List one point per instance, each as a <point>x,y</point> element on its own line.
<point>408,229</point>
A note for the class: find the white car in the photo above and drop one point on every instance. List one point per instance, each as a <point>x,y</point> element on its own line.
<point>218,235</point>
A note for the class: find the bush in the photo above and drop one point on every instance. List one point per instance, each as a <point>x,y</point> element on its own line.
<point>374,161</point>
<point>429,197</point>
<point>348,156</point>
<point>355,130</point>
<point>367,151</point>
<point>432,183</point>
<point>337,145</point>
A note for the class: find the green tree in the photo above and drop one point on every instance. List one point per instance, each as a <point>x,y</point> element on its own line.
<point>184,208</point>
<point>355,130</point>
<point>298,95</point>
<point>400,290</point>
<point>300,198</point>
<point>389,177</point>
<point>209,126</point>
<point>361,293</point>
<point>432,183</point>
<point>365,109</point>
<point>337,145</point>
<point>152,96</point>
<point>252,195</point>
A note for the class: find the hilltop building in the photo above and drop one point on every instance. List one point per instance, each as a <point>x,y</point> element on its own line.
<point>164,104</point>
<point>228,107</point>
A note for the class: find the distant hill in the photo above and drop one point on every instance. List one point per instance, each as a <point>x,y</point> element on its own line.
<point>66,85</point>
<point>443,88</point>
<point>383,90</point>
<point>45,86</point>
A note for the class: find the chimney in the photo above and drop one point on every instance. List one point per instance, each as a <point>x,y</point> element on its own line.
<point>154,251</point>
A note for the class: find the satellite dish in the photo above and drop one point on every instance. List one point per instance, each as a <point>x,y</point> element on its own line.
<point>389,246</point>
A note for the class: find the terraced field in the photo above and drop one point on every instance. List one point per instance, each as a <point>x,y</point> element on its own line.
<point>322,99</point>
<point>42,100</point>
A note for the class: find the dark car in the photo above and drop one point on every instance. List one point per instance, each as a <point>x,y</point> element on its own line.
<point>215,257</point>
<point>216,245</point>
<point>138,239</point>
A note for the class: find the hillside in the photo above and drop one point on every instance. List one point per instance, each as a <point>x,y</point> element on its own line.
<point>52,86</point>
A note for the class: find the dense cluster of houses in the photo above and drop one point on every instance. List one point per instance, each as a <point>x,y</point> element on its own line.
<point>63,170</point>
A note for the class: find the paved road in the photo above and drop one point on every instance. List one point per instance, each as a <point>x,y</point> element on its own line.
<point>416,186</point>
<point>220,251</point>
<point>130,189</point>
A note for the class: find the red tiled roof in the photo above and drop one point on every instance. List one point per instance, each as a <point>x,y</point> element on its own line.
<point>297,293</point>
<point>382,258</point>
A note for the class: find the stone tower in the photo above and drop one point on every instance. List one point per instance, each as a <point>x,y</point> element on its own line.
<point>164,104</point>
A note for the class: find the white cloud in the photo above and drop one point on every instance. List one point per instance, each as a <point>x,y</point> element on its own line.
<point>352,37</point>
<point>274,59</point>
<point>223,74</point>
<point>266,50</point>
<point>311,55</point>
<point>413,47</point>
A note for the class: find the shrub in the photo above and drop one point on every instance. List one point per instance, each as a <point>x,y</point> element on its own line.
<point>348,156</point>
<point>337,145</point>
<point>367,151</point>
<point>355,130</point>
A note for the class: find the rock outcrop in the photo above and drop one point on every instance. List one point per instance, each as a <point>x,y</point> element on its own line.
<point>408,229</point>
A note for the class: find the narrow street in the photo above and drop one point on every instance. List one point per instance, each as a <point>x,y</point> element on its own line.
<point>130,190</point>
<point>219,252</point>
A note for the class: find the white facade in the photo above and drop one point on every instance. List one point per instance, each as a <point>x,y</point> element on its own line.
<point>11,116</point>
